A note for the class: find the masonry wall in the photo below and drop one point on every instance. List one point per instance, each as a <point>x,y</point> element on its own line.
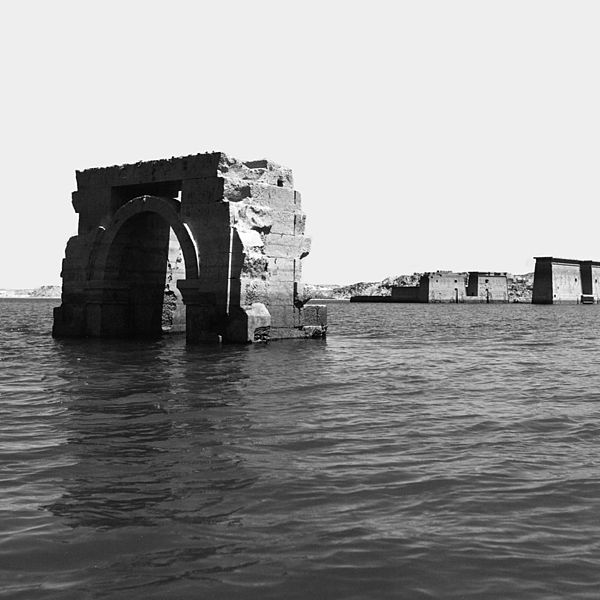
<point>566,283</point>
<point>487,287</point>
<point>269,237</point>
<point>480,287</point>
<point>446,287</point>
<point>405,293</point>
<point>498,289</point>
<point>543,292</point>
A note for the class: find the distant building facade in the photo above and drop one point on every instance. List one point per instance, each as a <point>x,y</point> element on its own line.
<point>449,287</point>
<point>565,281</point>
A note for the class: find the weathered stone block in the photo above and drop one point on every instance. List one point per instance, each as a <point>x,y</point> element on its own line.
<point>246,216</point>
<point>270,173</point>
<point>215,214</point>
<point>284,222</point>
<point>299,223</point>
<point>250,238</point>
<point>282,269</point>
<point>314,331</point>
<point>267,292</point>
<point>314,315</point>
<point>197,193</point>
<point>284,333</point>
<point>246,322</point>
<point>284,315</point>
<point>274,197</point>
<point>284,246</point>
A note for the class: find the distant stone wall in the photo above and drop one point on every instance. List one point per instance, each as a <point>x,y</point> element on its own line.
<point>565,281</point>
<point>450,287</point>
<point>487,287</point>
<point>446,287</point>
<point>405,293</point>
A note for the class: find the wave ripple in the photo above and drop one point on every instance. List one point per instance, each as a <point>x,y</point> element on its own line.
<point>418,452</point>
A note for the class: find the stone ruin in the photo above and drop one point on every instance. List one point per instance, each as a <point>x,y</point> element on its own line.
<point>566,281</point>
<point>240,228</point>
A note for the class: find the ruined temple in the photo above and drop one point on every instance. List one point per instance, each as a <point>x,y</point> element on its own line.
<point>240,229</point>
<point>565,281</point>
<point>448,287</point>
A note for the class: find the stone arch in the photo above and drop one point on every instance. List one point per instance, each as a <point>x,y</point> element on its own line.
<point>111,270</point>
<point>127,269</point>
<point>167,208</point>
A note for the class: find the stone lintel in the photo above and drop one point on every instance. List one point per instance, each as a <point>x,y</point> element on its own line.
<point>144,172</point>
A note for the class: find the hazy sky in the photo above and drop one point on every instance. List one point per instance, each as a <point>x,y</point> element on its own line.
<point>423,135</point>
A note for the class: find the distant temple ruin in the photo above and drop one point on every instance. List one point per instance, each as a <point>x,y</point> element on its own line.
<point>565,281</point>
<point>231,233</point>
<point>449,287</point>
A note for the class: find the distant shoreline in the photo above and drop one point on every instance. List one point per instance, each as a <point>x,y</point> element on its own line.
<point>29,297</point>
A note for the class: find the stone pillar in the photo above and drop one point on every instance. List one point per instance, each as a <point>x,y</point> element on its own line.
<point>203,321</point>
<point>248,324</point>
<point>207,216</point>
<point>107,309</point>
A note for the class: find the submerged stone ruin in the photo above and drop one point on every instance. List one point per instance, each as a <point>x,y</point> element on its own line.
<point>566,281</point>
<point>449,287</point>
<point>240,230</point>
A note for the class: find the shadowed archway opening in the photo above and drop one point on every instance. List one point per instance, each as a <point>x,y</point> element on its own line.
<point>139,260</point>
<point>136,266</point>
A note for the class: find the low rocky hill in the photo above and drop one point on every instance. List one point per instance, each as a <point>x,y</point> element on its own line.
<point>45,291</point>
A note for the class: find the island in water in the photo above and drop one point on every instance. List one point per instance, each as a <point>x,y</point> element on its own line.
<point>520,287</point>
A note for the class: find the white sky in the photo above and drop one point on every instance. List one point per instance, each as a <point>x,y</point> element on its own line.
<point>423,135</point>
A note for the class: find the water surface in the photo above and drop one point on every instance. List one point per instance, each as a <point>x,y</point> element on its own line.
<point>421,451</point>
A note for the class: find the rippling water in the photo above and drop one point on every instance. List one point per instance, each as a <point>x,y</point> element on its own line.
<point>421,451</point>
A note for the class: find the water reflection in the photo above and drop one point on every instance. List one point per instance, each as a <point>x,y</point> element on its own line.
<point>171,457</point>
<point>150,428</point>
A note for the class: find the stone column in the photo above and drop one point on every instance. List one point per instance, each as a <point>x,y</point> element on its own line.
<point>203,321</point>
<point>208,217</point>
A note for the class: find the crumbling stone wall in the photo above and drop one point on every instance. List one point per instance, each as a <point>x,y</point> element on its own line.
<point>241,229</point>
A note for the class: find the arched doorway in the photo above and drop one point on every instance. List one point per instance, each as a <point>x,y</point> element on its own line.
<point>130,267</point>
